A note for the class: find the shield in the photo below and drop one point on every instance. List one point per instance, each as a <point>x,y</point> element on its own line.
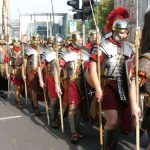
<point>130,64</point>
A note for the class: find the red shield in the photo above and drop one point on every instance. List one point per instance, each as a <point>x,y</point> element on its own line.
<point>130,64</point>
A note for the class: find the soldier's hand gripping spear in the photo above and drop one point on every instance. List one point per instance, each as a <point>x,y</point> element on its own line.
<point>137,45</point>
<point>58,90</point>
<point>43,86</point>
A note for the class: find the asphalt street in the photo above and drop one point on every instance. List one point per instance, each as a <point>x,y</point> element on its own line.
<point>22,130</point>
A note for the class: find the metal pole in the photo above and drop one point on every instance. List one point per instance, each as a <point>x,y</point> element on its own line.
<point>47,27</point>
<point>3,18</point>
<point>83,30</point>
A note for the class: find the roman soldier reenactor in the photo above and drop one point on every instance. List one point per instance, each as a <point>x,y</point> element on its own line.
<point>3,79</point>
<point>14,61</point>
<point>91,40</point>
<point>71,62</point>
<point>144,78</point>
<point>115,50</point>
<point>49,57</point>
<point>30,72</point>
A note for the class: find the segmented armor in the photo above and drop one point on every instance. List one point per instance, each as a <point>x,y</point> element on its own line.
<point>115,63</point>
<point>50,57</point>
<point>34,56</point>
<point>74,61</point>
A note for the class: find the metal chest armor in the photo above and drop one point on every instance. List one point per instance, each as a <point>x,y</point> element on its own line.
<point>115,66</point>
<point>144,66</point>
<point>74,61</point>
<point>50,57</point>
<point>33,57</point>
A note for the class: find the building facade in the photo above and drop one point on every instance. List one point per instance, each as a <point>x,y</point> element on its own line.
<point>5,22</point>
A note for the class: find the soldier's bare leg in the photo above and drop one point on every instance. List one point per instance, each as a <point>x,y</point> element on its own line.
<point>35,102</point>
<point>74,120</point>
<point>111,129</point>
<point>54,108</point>
<point>17,97</point>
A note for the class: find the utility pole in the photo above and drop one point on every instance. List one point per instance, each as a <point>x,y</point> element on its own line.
<point>3,17</point>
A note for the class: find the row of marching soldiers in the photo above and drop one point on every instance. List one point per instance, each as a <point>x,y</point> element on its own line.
<point>38,69</point>
<point>62,70</point>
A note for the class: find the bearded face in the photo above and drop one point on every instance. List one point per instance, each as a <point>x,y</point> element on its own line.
<point>120,36</point>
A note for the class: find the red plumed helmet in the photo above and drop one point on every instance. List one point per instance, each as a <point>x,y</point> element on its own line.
<point>117,13</point>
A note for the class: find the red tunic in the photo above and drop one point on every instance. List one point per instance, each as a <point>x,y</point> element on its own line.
<point>50,84</point>
<point>71,91</point>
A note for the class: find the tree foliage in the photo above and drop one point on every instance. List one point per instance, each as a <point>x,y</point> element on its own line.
<point>101,13</point>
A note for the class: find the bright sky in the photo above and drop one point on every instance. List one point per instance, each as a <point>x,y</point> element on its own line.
<point>36,6</point>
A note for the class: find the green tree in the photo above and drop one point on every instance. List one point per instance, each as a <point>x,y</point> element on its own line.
<point>101,13</point>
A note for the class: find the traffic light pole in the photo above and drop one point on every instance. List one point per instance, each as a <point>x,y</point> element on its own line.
<point>83,30</point>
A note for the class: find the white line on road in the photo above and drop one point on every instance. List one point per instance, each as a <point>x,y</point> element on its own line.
<point>12,117</point>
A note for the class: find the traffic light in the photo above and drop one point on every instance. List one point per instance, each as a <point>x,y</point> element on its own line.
<point>74,4</point>
<point>78,15</point>
<point>86,7</point>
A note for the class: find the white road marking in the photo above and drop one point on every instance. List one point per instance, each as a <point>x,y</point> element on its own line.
<point>12,117</point>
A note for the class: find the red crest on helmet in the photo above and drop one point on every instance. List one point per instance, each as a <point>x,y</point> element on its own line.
<point>117,13</point>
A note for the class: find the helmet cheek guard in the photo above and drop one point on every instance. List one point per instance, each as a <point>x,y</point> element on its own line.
<point>120,27</point>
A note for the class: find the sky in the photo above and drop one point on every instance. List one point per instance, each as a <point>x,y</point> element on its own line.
<point>36,6</point>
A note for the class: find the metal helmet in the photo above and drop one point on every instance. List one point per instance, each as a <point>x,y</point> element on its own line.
<point>16,42</point>
<point>59,39</point>
<point>76,35</point>
<point>77,39</point>
<point>50,39</point>
<point>120,26</point>
<point>35,40</point>
<point>92,36</point>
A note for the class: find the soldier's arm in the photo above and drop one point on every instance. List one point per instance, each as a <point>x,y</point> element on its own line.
<point>42,64</point>
<point>57,80</point>
<point>132,93</point>
<point>24,65</point>
<point>94,77</point>
<point>41,81</point>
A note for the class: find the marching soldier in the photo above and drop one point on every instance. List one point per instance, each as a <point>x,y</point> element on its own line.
<point>144,77</point>
<point>30,72</point>
<point>15,59</point>
<point>68,41</point>
<point>114,52</point>
<point>71,61</point>
<point>3,79</point>
<point>91,40</point>
<point>49,58</point>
